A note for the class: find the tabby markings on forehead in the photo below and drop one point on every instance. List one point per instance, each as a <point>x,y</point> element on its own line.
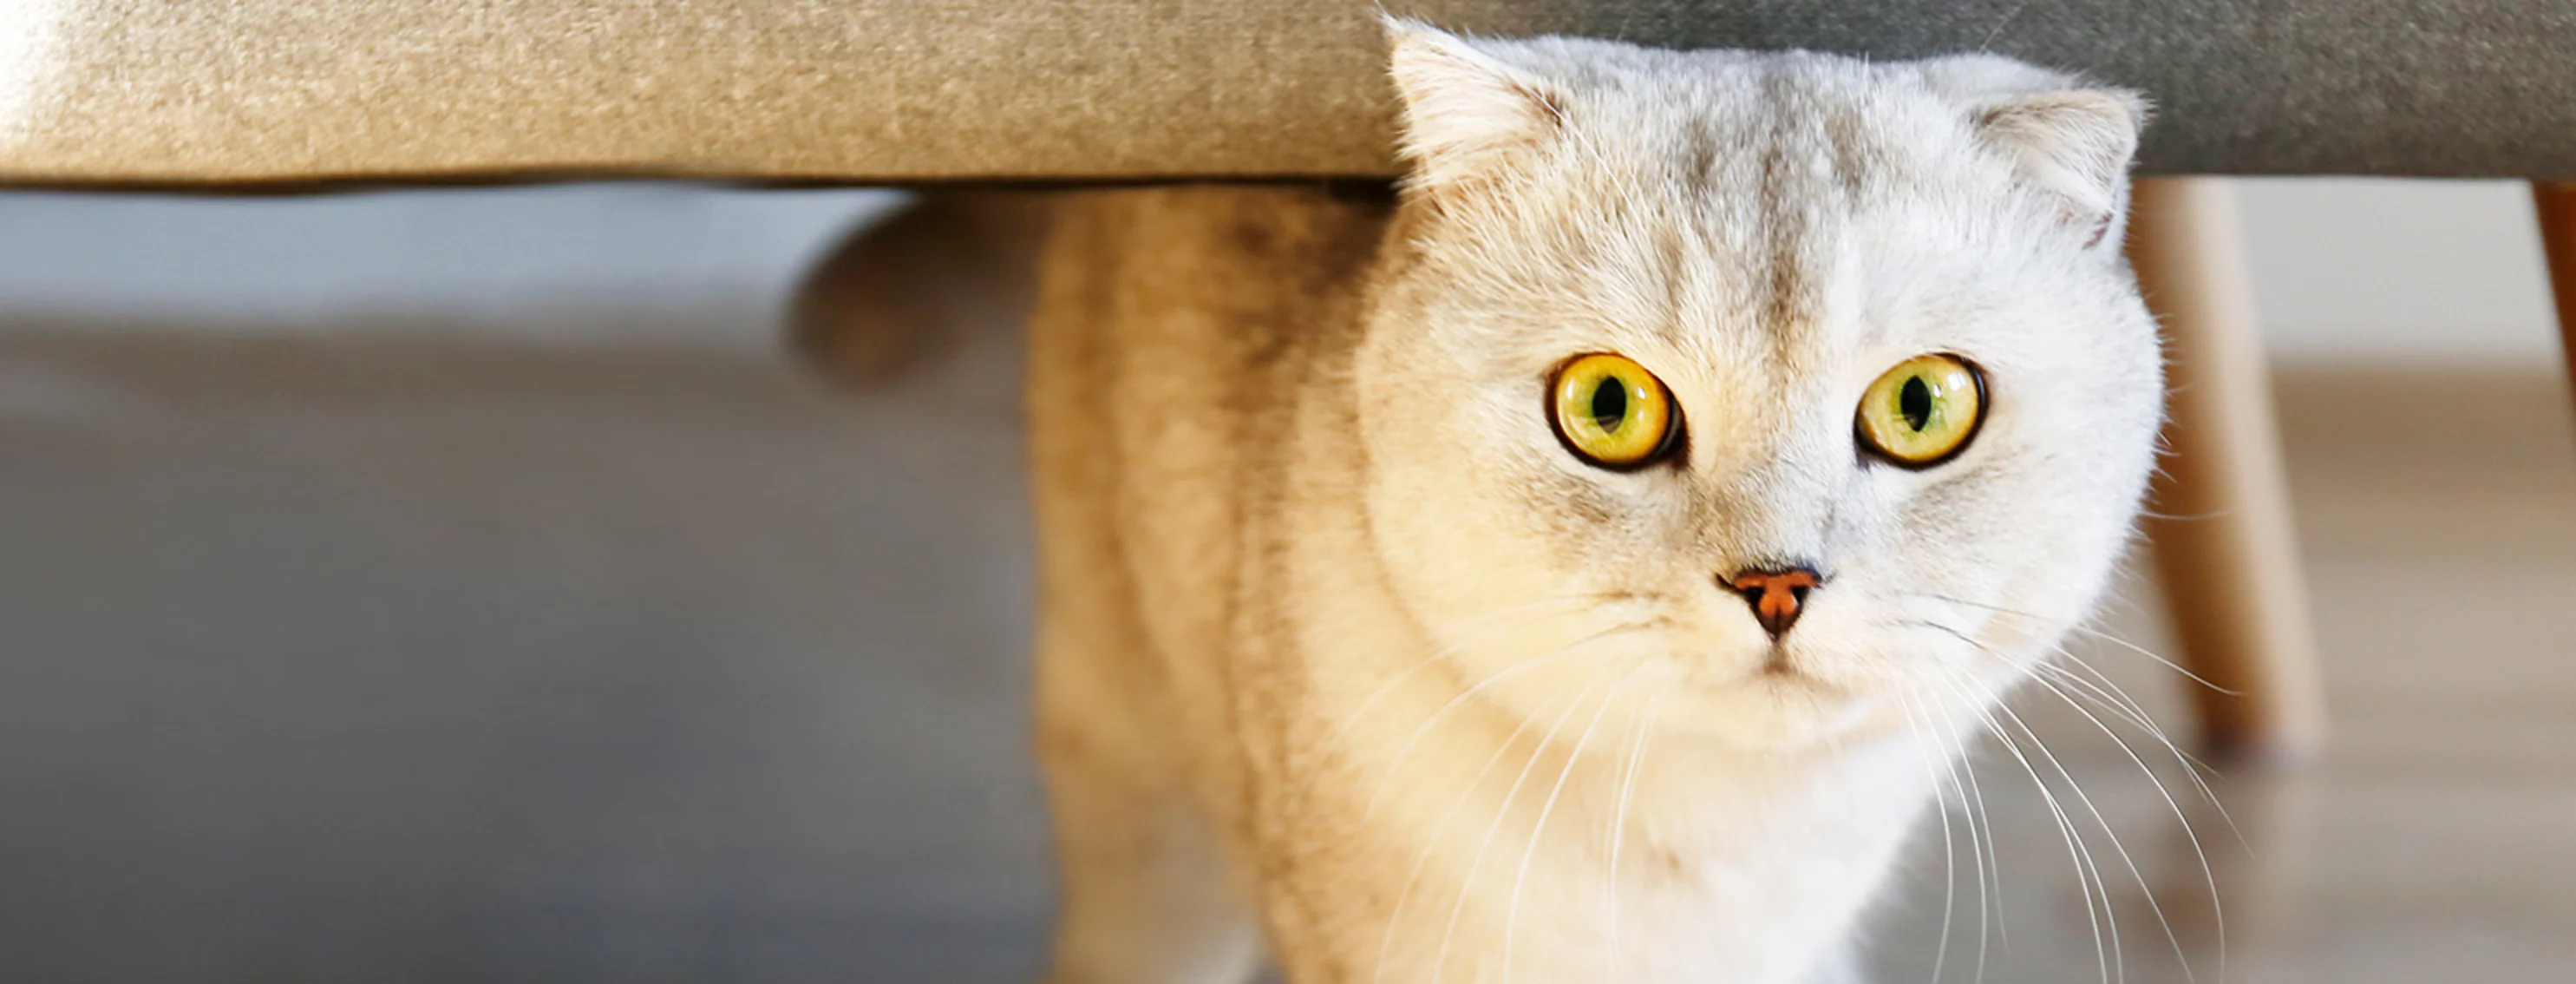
<point>1788,191</point>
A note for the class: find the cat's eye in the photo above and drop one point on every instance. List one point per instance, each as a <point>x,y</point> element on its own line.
<point>1924,411</point>
<point>1611,412</point>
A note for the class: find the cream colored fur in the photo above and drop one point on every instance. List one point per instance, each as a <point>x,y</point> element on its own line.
<point>1344,659</point>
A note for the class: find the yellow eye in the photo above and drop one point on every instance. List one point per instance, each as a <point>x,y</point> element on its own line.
<point>1923,411</point>
<point>1611,412</point>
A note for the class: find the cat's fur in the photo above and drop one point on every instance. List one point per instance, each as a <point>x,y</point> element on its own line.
<point>1344,658</point>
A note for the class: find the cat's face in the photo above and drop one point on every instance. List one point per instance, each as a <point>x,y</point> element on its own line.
<point>1867,328</point>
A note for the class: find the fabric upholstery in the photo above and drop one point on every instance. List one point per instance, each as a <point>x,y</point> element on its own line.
<point>150,91</point>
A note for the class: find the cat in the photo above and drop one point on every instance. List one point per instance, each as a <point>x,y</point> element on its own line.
<point>902,293</point>
<point>1582,565</point>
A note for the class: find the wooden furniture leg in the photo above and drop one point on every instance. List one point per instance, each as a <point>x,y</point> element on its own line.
<point>2222,532</point>
<point>2556,203</point>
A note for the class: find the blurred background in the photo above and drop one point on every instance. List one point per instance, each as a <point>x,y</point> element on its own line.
<point>467,585</point>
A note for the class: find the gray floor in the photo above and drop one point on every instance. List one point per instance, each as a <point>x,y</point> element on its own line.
<point>464,661</point>
<point>448,662</point>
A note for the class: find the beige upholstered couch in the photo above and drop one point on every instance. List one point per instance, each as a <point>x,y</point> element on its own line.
<point>158,92</point>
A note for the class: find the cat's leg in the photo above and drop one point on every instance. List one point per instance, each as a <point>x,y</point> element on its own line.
<point>1145,897</point>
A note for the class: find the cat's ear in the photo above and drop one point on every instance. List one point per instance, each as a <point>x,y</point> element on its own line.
<point>1466,113</point>
<point>2075,144</point>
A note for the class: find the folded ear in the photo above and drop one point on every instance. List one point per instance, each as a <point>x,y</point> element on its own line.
<point>1466,113</point>
<point>2075,144</point>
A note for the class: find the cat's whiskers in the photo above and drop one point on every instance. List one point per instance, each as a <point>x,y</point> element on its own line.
<point>2112,698</point>
<point>2192,518</point>
<point>2094,633</point>
<point>2087,875</point>
<point>1396,764</point>
<point>2117,702</point>
<point>1949,845</point>
<point>1512,916</point>
<point>1395,916</point>
<point>1476,629</point>
<point>1423,858</point>
<point>2090,632</point>
<point>2099,819</point>
<point>1980,823</point>
<point>2217,912</point>
<point>1619,816</point>
<point>2117,847</point>
<point>1467,882</point>
<point>2032,673</point>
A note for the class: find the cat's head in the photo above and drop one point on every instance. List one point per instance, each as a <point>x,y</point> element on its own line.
<point>1786,386</point>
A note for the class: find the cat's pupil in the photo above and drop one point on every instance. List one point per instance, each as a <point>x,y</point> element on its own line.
<point>1915,402</point>
<point>1610,404</point>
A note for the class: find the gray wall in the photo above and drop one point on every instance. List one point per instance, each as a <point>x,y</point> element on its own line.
<point>664,262</point>
<point>2399,273</point>
<point>2378,271</point>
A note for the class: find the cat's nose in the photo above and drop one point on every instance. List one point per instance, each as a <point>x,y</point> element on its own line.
<point>1777,596</point>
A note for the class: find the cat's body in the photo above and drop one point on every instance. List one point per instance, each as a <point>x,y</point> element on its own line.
<point>1343,651</point>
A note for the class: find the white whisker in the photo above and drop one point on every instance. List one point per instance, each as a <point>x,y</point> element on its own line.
<point>2107,831</point>
<point>1980,823</point>
<point>2207,874</point>
<point>2155,906</point>
<point>1395,764</point>
<point>2129,709</point>
<point>1422,859</point>
<point>2087,875</point>
<point>2093,633</point>
<point>1949,845</point>
<point>1512,915</point>
<point>1467,881</point>
<point>1475,629</point>
<point>1619,817</point>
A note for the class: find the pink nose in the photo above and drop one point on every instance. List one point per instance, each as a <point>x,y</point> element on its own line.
<point>1777,596</point>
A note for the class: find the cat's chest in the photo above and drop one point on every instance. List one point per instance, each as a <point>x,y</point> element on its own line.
<point>1755,889</point>
<point>1732,920</point>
